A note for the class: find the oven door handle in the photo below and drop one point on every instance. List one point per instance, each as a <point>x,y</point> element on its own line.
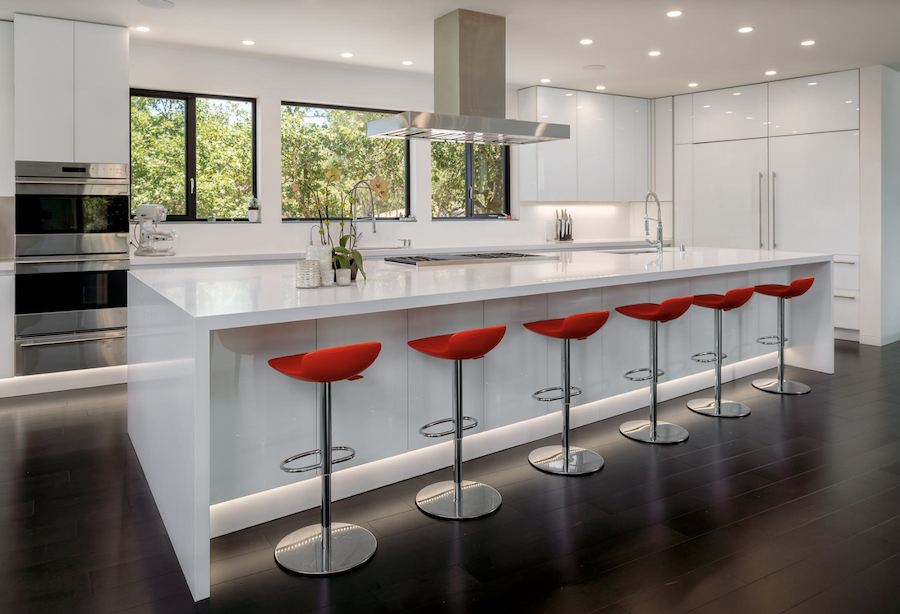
<point>110,337</point>
<point>37,267</point>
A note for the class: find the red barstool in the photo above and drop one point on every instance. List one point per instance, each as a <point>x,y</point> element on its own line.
<point>716,407</point>
<point>565,459</point>
<point>326,548</point>
<point>457,499</point>
<point>779,385</point>
<point>652,431</point>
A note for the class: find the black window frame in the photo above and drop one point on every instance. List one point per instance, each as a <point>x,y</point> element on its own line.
<point>470,188</point>
<point>407,193</point>
<point>190,146</point>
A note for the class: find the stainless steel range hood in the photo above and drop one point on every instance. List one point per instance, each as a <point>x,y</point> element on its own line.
<point>469,90</point>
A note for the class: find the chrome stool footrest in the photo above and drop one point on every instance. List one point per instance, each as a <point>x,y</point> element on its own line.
<point>451,431</point>
<point>574,391</point>
<point>770,340</point>
<point>702,357</point>
<point>630,376</point>
<point>318,465</point>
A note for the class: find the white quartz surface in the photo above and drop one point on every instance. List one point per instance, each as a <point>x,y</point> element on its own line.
<point>376,250</point>
<point>246,295</point>
<point>7,266</point>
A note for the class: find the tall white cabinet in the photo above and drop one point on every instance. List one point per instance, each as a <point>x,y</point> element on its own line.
<point>606,158</point>
<point>776,166</point>
<point>71,91</point>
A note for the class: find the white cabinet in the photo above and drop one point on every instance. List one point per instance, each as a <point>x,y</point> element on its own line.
<point>663,120</point>
<point>821,103</point>
<point>101,94</point>
<point>815,192</point>
<point>45,89</point>
<point>7,111</point>
<point>595,128</point>
<point>7,324</point>
<point>734,113</point>
<point>631,148</point>
<point>684,119</point>
<point>729,194</point>
<point>71,91</point>
<point>551,167</point>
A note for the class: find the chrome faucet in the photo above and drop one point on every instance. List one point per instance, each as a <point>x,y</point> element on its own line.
<point>362,183</point>
<point>658,219</point>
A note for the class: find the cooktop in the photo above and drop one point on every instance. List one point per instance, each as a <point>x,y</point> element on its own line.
<point>478,258</point>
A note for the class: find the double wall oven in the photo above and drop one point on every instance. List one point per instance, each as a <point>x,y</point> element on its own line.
<point>72,223</point>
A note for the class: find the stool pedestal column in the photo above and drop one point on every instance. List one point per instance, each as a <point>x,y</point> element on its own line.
<point>779,385</point>
<point>716,407</point>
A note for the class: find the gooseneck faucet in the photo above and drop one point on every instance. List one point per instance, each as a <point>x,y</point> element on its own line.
<point>371,198</point>
<point>658,244</point>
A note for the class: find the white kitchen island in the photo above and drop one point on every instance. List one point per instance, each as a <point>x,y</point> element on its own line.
<point>211,421</point>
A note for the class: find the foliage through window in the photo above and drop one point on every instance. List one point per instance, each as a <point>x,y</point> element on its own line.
<point>194,154</point>
<point>469,180</point>
<point>315,139</point>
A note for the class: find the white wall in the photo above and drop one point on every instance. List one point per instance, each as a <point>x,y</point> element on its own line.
<point>890,205</point>
<point>274,81</point>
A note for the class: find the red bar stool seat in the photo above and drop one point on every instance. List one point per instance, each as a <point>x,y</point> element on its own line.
<point>326,548</point>
<point>566,459</point>
<point>653,431</point>
<point>719,303</point>
<point>779,385</point>
<point>457,499</point>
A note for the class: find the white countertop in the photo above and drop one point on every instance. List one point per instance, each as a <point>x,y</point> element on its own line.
<point>248,295</point>
<point>376,251</point>
<point>7,265</point>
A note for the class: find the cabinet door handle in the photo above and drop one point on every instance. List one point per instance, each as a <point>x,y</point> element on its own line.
<point>845,296</point>
<point>844,262</point>
<point>760,209</point>
<point>774,218</point>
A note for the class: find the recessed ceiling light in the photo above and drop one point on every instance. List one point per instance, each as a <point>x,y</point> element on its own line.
<point>793,132</point>
<point>545,80</point>
<point>601,87</point>
<point>727,112</point>
<point>142,29</point>
<point>407,62</point>
<point>674,14</point>
<point>653,54</point>
<point>808,43</point>
<point>693,84</point>
<point>545,116</point>
<point>570,94</point>
<point>812,83</point>
<point>736,94</point>
<point>769,73</point>
<point>585,41</point>
<point>346,54</point>
<point>248,42</point>
<point>745,30</point>
<point>157,4</point>
<point>749,118</point>
<point>848,102</point>
<point>578,107</point>
<point>706,106</point>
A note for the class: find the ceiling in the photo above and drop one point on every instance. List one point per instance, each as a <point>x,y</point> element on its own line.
<point>701,46</point>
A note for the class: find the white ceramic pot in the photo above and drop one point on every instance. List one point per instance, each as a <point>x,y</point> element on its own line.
<point>253,215</point>
<point>342,276</point>
<point>322,253</point>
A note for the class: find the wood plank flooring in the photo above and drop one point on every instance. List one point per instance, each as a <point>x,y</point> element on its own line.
<point>795,508</point>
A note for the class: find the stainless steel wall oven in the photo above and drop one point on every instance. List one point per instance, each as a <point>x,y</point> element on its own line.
<point>72,223</point>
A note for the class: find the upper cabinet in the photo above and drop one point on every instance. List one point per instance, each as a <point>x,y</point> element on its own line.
<point>45,89</point>
<point>731,114</point>
<point>7,114</point>
<point>606,158</point>
<point>821,103</point>
<point>632,148</point>
<point>71,91</point>
<point>595,127</point>
<point>684,119</point>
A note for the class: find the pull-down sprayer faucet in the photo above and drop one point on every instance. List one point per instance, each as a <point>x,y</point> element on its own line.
<point>658,219</point>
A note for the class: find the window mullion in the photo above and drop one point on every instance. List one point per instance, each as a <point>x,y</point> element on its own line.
<point>191,158</point>
<point>470,180</point>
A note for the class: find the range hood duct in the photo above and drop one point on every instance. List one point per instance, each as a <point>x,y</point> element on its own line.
<point>469,90</point>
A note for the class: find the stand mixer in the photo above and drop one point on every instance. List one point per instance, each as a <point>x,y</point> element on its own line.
<point>153,242</point>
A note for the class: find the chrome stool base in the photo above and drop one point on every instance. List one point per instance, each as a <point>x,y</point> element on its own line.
<point>549,459</point>
<point>770,384</point>
<point>727,409</point>
<point>477,500</point>
<point>666,432</point>
<point>301,551</point>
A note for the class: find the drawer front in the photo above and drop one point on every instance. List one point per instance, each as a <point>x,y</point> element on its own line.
<point>846,309</point>
<point>51,354</point>
<point>846,272</point>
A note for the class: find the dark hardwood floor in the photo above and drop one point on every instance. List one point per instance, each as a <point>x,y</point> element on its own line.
<point>795,508</point>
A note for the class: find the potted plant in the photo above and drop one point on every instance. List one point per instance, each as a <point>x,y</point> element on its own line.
<point>345,259</point>
<point>253,209</point>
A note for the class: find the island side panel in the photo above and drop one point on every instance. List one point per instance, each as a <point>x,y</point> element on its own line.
<point>164,426</point>
<point>811,320</point>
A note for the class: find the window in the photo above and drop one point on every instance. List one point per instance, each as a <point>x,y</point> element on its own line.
<point>315,139</point>
<point>469,181</point>
<point>194,154</point>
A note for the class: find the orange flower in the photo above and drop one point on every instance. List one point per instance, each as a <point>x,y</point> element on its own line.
<point>378,184</point>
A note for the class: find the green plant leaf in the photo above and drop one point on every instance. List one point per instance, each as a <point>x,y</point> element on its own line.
<point>357,257</point>
<point>344,239</point>
<point>341,250</point>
